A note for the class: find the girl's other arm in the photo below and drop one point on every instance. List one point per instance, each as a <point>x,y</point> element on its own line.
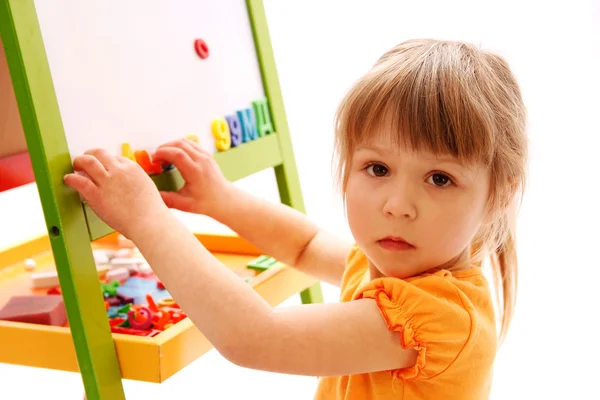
<point>276,229</point>
<point>285,234</point>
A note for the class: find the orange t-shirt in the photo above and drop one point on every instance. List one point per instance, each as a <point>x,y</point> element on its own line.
<point>448,317</point>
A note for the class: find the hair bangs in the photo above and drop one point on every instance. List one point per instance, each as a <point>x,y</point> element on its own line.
<point>424,102</point>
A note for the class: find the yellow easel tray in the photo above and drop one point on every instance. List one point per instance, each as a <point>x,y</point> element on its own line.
<point>150,359</point>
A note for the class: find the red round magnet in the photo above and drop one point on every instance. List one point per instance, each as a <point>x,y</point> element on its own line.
<point>201,48</point>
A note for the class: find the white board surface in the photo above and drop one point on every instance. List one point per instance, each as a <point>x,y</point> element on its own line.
<point>127,71</point>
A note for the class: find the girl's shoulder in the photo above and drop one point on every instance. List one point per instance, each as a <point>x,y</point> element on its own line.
<point>436,312</point>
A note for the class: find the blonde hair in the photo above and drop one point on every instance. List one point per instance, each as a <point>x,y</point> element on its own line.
<point>449,97</point>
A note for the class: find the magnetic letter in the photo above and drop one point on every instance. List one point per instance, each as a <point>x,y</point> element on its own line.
<point>263,117</point>
<point>246,117</point>
<point>127,152</point>
<point>235,129</point>
<point>220,131</point>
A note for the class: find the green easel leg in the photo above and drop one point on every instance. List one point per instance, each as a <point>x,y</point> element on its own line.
<point>312,295</point>
<point>286,174</point>
<point>49,153</point>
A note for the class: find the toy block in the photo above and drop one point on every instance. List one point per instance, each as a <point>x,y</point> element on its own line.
<point>235,129</point>
<point>117,274</point>
<point>220,131</point>
<point>44,279</point>
<point>30,265</point>
<point>145,268</point>
<point>262,263</point>
<point>42,310</point>
<point>48,279</point>
<point>263,117</point>
<point>248,123</point>
<point>123,253</point>
<point>101,256</point>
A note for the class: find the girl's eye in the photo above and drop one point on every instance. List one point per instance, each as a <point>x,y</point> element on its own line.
<point>377,170</point>
<point>440,180</point>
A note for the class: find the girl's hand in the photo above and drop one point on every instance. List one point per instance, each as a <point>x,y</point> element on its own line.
<point>118,190</point>
<point>205,185</point>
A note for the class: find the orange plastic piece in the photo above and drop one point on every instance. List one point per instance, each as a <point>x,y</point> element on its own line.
<point>179,316</point>
<point>143,158</point>
<point>151,304</point>
<point>160,319</point>
<point>139,317</point>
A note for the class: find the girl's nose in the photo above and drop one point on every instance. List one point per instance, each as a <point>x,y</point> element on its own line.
<point>400,202</point>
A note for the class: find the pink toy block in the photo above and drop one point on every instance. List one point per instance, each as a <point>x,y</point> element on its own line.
<point>43,310</point>
<point>117,274</point>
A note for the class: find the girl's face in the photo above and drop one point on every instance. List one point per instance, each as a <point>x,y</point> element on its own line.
<point>411,212</point>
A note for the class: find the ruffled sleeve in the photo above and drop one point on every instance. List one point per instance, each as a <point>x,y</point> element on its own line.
<point>431,316</point>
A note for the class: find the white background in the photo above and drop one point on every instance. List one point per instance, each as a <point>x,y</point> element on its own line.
<point>321,48</point>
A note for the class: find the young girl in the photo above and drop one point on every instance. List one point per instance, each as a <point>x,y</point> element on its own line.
<point>432,150</point>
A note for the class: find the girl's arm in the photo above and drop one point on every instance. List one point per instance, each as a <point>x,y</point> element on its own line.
<point>320,340</point>
<point>276,229</point>
<point>285,234</point>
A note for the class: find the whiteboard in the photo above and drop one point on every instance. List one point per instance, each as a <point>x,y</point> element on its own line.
<point>128,71</point>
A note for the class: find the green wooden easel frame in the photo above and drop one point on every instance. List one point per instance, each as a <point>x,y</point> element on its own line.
<point>71,226</point>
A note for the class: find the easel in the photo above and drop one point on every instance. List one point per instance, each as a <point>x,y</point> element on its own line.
<point>71,227</point>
